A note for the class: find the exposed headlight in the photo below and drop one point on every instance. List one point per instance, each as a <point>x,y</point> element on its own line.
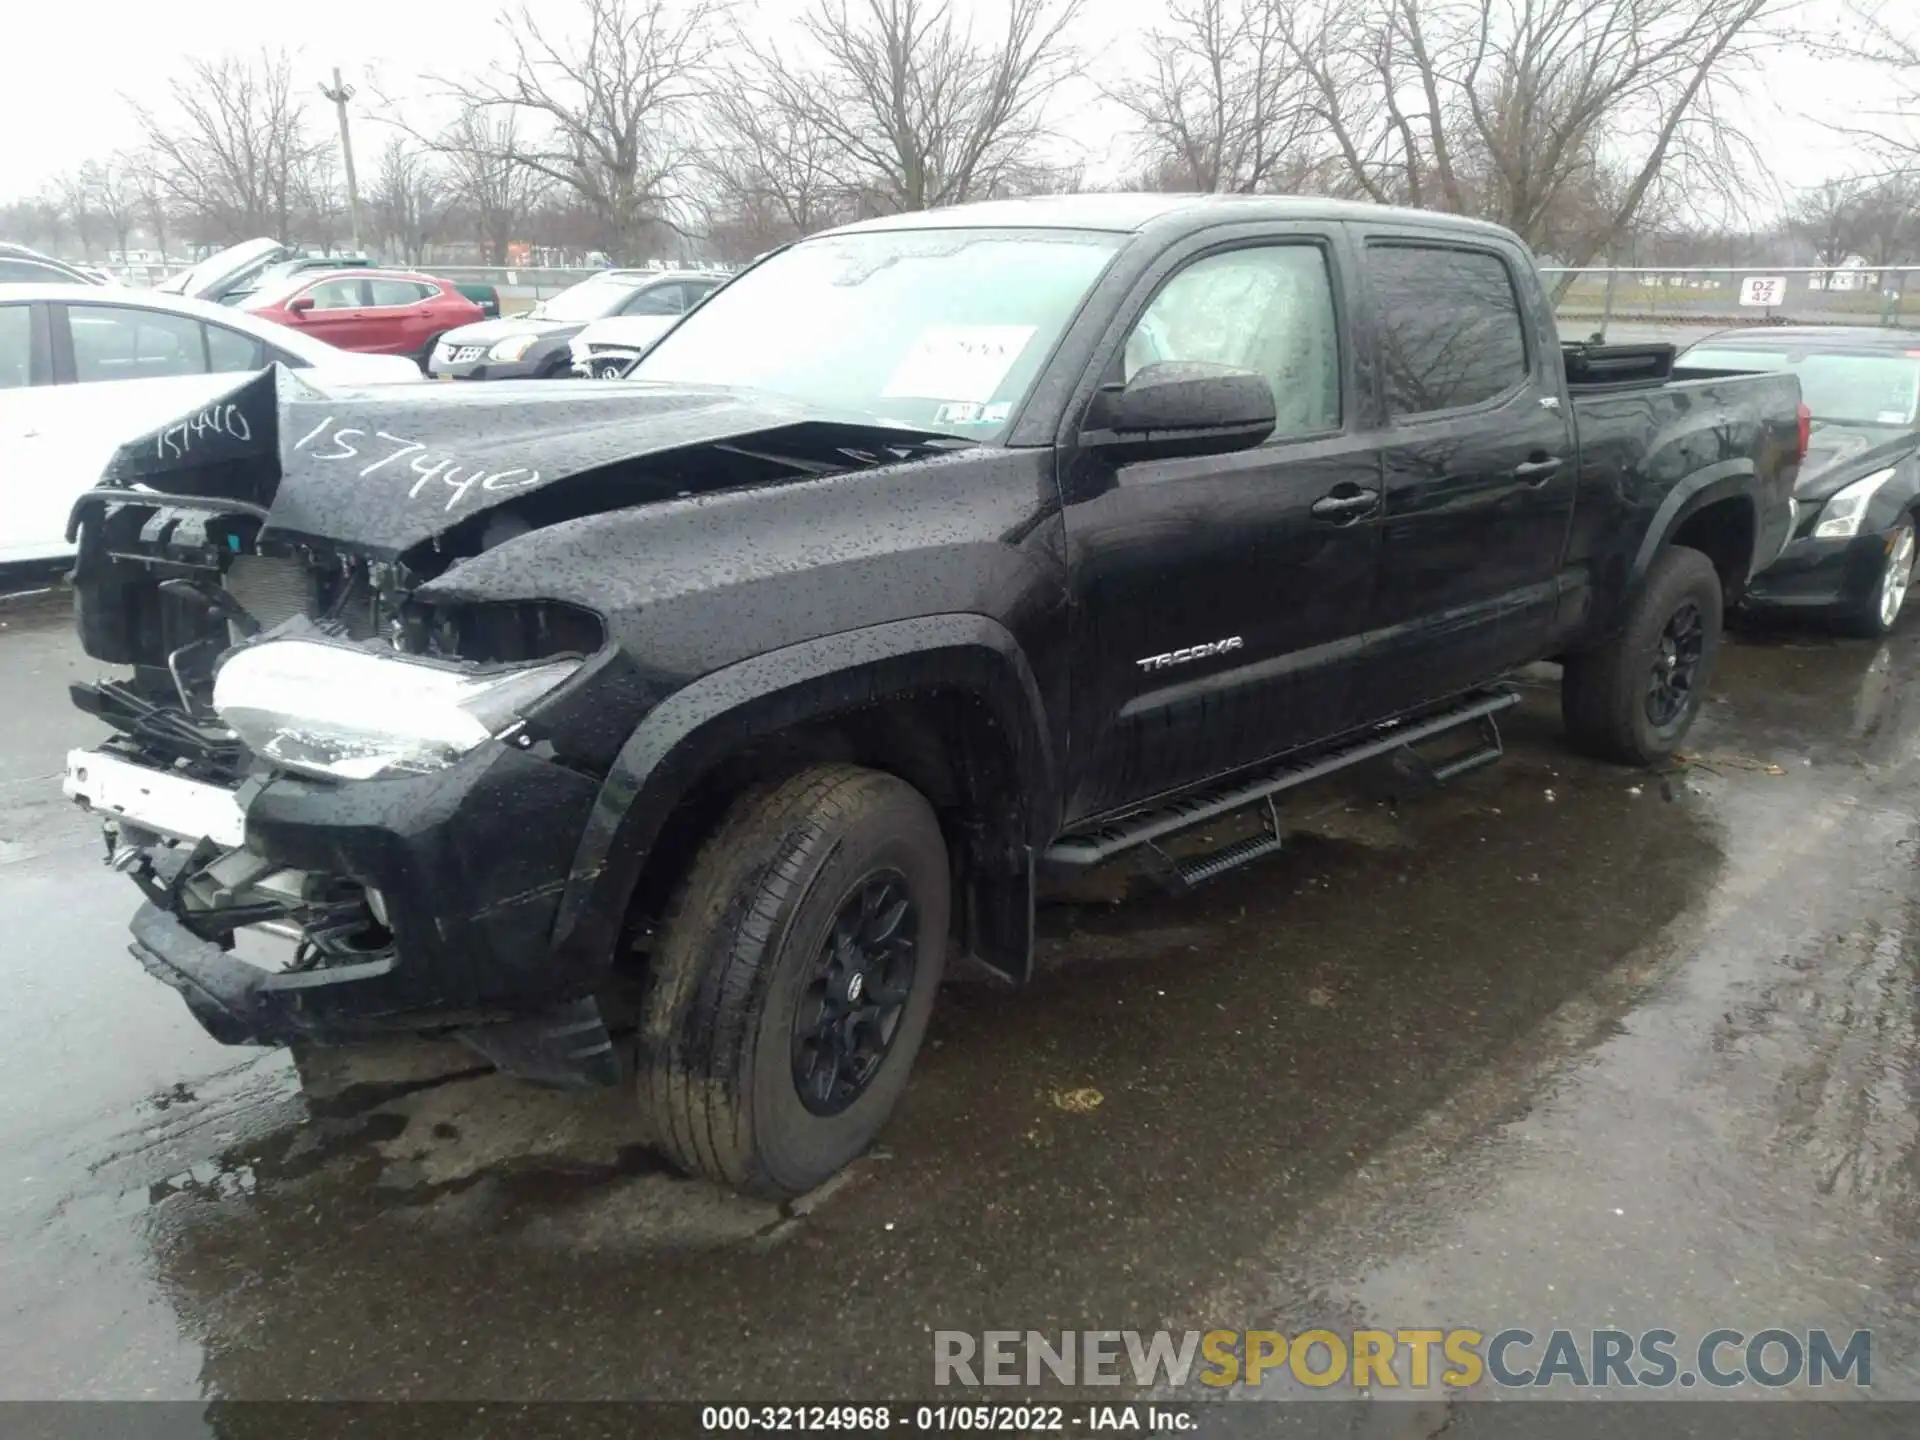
<point>513,347</point>
<point>1844,511</point>
<point>353,715</point>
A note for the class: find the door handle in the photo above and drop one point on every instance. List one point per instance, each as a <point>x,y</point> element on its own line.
<point>1538,472</point>
<point>1344,509</point>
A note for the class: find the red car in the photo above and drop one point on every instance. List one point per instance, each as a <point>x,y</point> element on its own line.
<point>384,312</point>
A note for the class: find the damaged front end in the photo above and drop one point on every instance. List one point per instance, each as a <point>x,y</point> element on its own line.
<point>306,751</point>
<point>329,736</point>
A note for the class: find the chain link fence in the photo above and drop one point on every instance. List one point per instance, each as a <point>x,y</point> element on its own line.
<point>1618,303</point>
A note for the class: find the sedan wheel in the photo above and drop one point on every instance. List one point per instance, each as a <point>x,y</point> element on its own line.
<point>1898,576</point>
<point>1880,611</point>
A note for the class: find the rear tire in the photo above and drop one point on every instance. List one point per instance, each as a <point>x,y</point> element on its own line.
<point>763,1062</point>
<point>425,358</point>
<point>1634,698</point>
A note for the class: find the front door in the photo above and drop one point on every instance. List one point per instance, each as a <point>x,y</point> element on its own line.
<point>1479,471</point>
<point>339,313</point>
<point>1218,601</point>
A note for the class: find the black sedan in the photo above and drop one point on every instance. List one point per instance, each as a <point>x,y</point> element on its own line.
<point>534,345</point>
<point>1852,552</point>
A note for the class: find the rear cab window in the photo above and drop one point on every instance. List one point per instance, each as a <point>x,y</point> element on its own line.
<point>1451,335</point>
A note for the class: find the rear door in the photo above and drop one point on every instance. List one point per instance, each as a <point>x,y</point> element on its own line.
<point>400,311</point>
<point>1478,465</point>
<point>1218,602</point>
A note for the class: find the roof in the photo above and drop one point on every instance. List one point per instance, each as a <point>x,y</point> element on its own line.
<point>1124,212</point>
<point>1851,337</point>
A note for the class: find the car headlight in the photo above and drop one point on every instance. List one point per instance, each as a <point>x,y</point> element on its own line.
<point>352,714</point>
<point>1847,507</point>
<point>513,347</point>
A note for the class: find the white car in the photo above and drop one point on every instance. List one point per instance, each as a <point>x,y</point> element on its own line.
<point>606,349</point>
<point>84,369</point>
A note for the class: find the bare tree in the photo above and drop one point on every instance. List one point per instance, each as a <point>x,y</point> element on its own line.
<point>1562,119</point>
<point>775,172</point>
<point>608,100</point>
<point>485,179</point>
<point>143,171</point>
<point>74,195</point>
<point>234,155</point>
<point>1831,217</point>
<point>320,200</point>
<point>116,198</point>
<point>1889,215</point>
<point>915,108</point>
<point>1221,104</point>
<point>407,201</point>
<point>1882,31</point>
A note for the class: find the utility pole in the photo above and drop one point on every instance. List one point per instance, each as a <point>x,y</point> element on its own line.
<point>339,95</point>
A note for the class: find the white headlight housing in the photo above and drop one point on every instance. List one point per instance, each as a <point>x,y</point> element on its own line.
<point>352,714</point>
<point>513,347</point>
<point>1841,516</point>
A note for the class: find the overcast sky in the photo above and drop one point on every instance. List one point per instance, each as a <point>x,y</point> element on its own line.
<point>62,101</point>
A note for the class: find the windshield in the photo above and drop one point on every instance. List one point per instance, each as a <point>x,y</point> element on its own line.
<point>940,330</point>
<point>1857,389</point>
<point>589,300</point>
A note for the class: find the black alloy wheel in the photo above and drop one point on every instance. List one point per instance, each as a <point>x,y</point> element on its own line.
<point>1676,666</point>
<point>846,1017</point>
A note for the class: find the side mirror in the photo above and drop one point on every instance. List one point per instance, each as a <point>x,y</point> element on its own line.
<point>1179,408</point>
<point>300,304</point>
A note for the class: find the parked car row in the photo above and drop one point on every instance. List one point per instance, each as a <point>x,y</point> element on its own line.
<point>616,315</point>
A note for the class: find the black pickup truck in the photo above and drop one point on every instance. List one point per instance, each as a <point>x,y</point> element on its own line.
<point>928,555</point>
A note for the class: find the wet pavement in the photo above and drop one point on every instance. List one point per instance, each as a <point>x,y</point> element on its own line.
<point>1561,1045</point>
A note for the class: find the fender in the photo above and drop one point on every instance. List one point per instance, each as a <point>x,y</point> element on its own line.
<point>684,736</point>
<point>1728,479</point>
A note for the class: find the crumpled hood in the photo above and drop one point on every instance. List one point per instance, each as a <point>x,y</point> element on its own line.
<point>382,469</point>
<point>1839,454</point>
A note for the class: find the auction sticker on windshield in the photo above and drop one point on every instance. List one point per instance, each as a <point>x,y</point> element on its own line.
<point>957,363</point>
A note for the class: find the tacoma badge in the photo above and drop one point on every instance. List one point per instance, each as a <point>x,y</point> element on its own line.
<point>1192,652</point>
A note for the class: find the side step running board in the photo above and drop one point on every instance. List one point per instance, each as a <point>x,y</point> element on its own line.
<point>1145,827</point>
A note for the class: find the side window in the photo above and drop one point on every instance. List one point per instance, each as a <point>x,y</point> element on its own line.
<point>656,300</point>
<point>698,290</point>
<point>1265,308</point>
<point>1449,326</point>
<point>229,350</point>
<point>118,342</point>
<point>341,294</point>
<point>16,346</point>
<point>399,292</point>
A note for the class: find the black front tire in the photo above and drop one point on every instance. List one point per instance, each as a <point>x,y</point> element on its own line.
<point>1605,693</point>
<point>738,973</point>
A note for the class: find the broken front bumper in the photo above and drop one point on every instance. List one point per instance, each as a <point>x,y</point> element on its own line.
<point>462,869</point>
